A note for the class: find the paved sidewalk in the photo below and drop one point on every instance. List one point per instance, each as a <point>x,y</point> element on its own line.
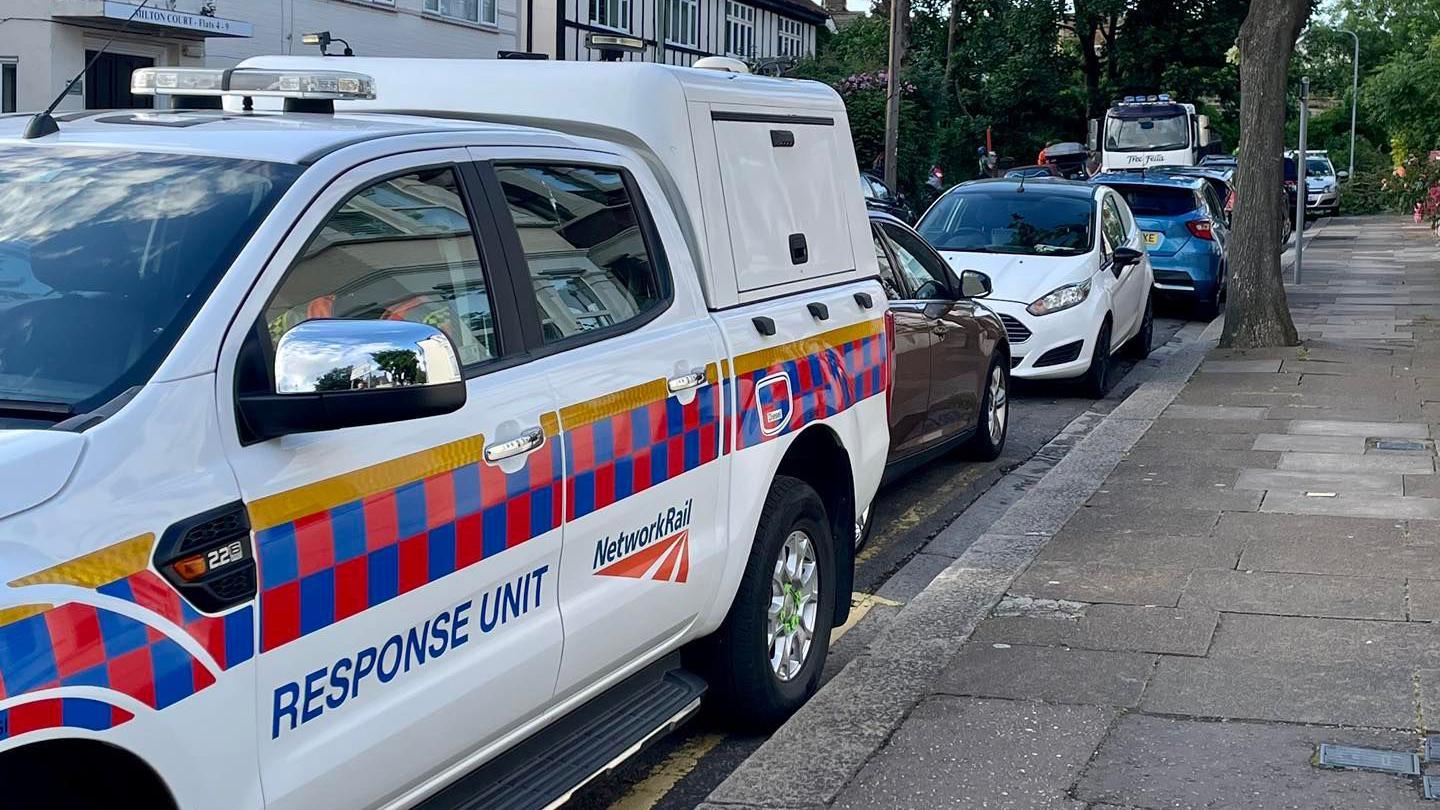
<point>1256,574</point>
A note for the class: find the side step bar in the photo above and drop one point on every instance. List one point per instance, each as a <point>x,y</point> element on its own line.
<point>545,770</point>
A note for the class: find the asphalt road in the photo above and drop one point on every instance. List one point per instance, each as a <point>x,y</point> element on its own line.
<point>678,772</point>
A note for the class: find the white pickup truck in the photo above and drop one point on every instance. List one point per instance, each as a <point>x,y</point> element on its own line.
<point>388,448</point>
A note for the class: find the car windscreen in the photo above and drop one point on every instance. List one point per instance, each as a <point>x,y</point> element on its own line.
<point>1318,167</point>
<point>1158,201</point>
<point>1157,133</point>
<point>1010,221</point>
<point>105,256</point>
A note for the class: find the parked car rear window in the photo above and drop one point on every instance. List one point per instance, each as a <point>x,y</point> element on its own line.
<point>1158,201</point>
<point>982,220</point>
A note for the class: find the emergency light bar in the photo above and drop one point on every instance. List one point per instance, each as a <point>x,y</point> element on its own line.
<point>1162,98</point>
<point>316,85</point>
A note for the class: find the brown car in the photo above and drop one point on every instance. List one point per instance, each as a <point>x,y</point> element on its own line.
<point>952,366</point>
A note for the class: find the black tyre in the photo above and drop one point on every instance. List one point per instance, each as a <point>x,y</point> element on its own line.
<point>992,424</point>
<point>1096,381</point>
<point>765,660</point>
<point>1210,308</point>
<point>1143,341</point>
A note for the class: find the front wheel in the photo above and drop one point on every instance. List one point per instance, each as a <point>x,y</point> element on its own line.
<point>993,421</point>
<point>1096,381</point>
<point>1144,340</point>
<point>765,660</point>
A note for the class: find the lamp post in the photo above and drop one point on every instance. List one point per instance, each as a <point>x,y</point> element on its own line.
<point>1354,97</point>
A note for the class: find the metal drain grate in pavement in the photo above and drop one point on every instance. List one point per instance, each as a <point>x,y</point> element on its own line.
<point>1398,444</point>
<point>1432,787</point>
<point>1369,759</point>
<point>1432,749</point>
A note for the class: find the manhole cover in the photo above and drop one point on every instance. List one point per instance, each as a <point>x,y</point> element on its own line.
<point>1432,787</point>
<point>1398,444</point>
<point>1432,749</point>
<point>1369,759</point>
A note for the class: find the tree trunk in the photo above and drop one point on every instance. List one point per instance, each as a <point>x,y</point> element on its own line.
<point>1085,29</point>
<point>1256,313</point>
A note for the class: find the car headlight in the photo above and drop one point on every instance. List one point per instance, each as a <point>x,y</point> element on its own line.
<point>1060,298</point>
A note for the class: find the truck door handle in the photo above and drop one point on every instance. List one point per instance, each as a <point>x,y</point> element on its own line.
<point>524,443</point>
<point>685,382</point>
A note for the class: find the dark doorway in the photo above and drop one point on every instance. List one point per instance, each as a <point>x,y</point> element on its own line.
<point>107,82</point>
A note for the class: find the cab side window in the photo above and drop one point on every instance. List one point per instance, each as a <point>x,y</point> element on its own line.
<point>585,248</point>
<point>399,249</point>
<point>922,268</point>
<point>1112,224</point>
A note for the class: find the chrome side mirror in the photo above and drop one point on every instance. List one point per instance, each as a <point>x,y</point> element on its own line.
<point>332,374</point>
<point>337,355</point>
<point>974,284</point>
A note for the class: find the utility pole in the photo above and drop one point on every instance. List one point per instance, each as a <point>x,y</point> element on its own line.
<point>1301,174</point>
<point>899,16</point>
<point>1354,98</point>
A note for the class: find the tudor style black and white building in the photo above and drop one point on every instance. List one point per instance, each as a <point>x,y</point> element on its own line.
<point>676,32</point>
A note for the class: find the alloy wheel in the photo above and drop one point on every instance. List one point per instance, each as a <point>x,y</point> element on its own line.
<point>794,599</point>
<point>999,405</point>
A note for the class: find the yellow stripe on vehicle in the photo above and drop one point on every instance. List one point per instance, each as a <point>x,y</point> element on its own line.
<point>613,404</point>
<point>765,358</point>
<point>14,614</point>
<point>96,568</point>
<point>284,507</point>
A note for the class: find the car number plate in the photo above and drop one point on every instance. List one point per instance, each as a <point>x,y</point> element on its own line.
<point>1152,238</point>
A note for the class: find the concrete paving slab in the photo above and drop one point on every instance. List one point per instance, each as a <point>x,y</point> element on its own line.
<point>1390,430</point>
<point>1181,460</point>
<point>1177,631</point>
<point>1267,366</point>
<point>1050,674</point>
<point>1297,594</point>
<point>1183,411</point>
<point>1143,550</point>
<point>1353,506</point>
<point>1355,694</point>
<point>1101,582</point>
<point>1374,555</point>
<point>1429,701</point>
<point>962,752</point>
<point>1193,441</point>
<point>1345,462</point>
<point>1424,600</point>
<point>1349,445</point>
<point>1305,640</point>
<point>1159,762</point>
<point>1422,486</point>
<point>1284,481</point>
<point>1389,410</point>
<point>1129,521</point>
<point>1256,530</point>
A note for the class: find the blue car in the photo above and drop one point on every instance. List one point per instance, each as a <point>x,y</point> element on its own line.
<point>1183,222</point>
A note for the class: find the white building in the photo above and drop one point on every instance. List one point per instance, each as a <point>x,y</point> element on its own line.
<point>762,32</point>
<point>44,43</point>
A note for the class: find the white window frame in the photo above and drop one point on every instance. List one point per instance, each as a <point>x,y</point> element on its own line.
<point>739,18</point>
<point>485,11</point>
<point>682,23</point>
<point>791,41</point>
<point>611,14</point>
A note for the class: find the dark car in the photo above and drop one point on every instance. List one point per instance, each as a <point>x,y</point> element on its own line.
<point>1041,170</point>
<point>880,197</point>
<point>952,367</point>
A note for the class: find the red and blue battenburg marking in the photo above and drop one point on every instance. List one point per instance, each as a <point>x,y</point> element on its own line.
<point>617,455</point>
<point>76,644</point>
<point>324,567</point>
<point>37,715</point>
<point>230,639</point>
<point>823,384</point>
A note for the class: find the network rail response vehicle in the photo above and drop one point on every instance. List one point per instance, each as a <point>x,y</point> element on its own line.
<point>363,459</point>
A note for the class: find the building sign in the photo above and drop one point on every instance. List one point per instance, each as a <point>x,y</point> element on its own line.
<point>210,26</point>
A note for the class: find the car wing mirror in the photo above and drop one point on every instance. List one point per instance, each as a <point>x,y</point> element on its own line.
<point>1123,257</point>
<point>331,374</point>
<point>1342,174</point>
<point>974,284</point>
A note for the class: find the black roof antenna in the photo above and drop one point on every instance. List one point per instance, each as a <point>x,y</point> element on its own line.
<point>1021,189</point>
<point>42,123</point>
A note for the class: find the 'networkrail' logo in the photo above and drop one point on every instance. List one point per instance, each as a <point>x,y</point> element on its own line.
<point>659,550</point>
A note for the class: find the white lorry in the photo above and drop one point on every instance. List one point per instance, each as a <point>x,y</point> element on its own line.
<point>381,459</point>
<point>1142,131</point>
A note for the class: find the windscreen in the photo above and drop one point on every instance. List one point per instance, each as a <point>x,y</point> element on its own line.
<point>105,257</point>
<point>1318,167</point>
<point>1158,201</point>
<point>1150,133</point>
<point>1010,221</point>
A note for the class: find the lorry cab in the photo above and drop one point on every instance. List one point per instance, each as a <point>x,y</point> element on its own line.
<point>1141,131</point>
<point>392,457</point>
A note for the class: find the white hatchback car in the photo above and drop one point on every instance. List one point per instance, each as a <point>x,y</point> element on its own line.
<point>1068,265</point>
